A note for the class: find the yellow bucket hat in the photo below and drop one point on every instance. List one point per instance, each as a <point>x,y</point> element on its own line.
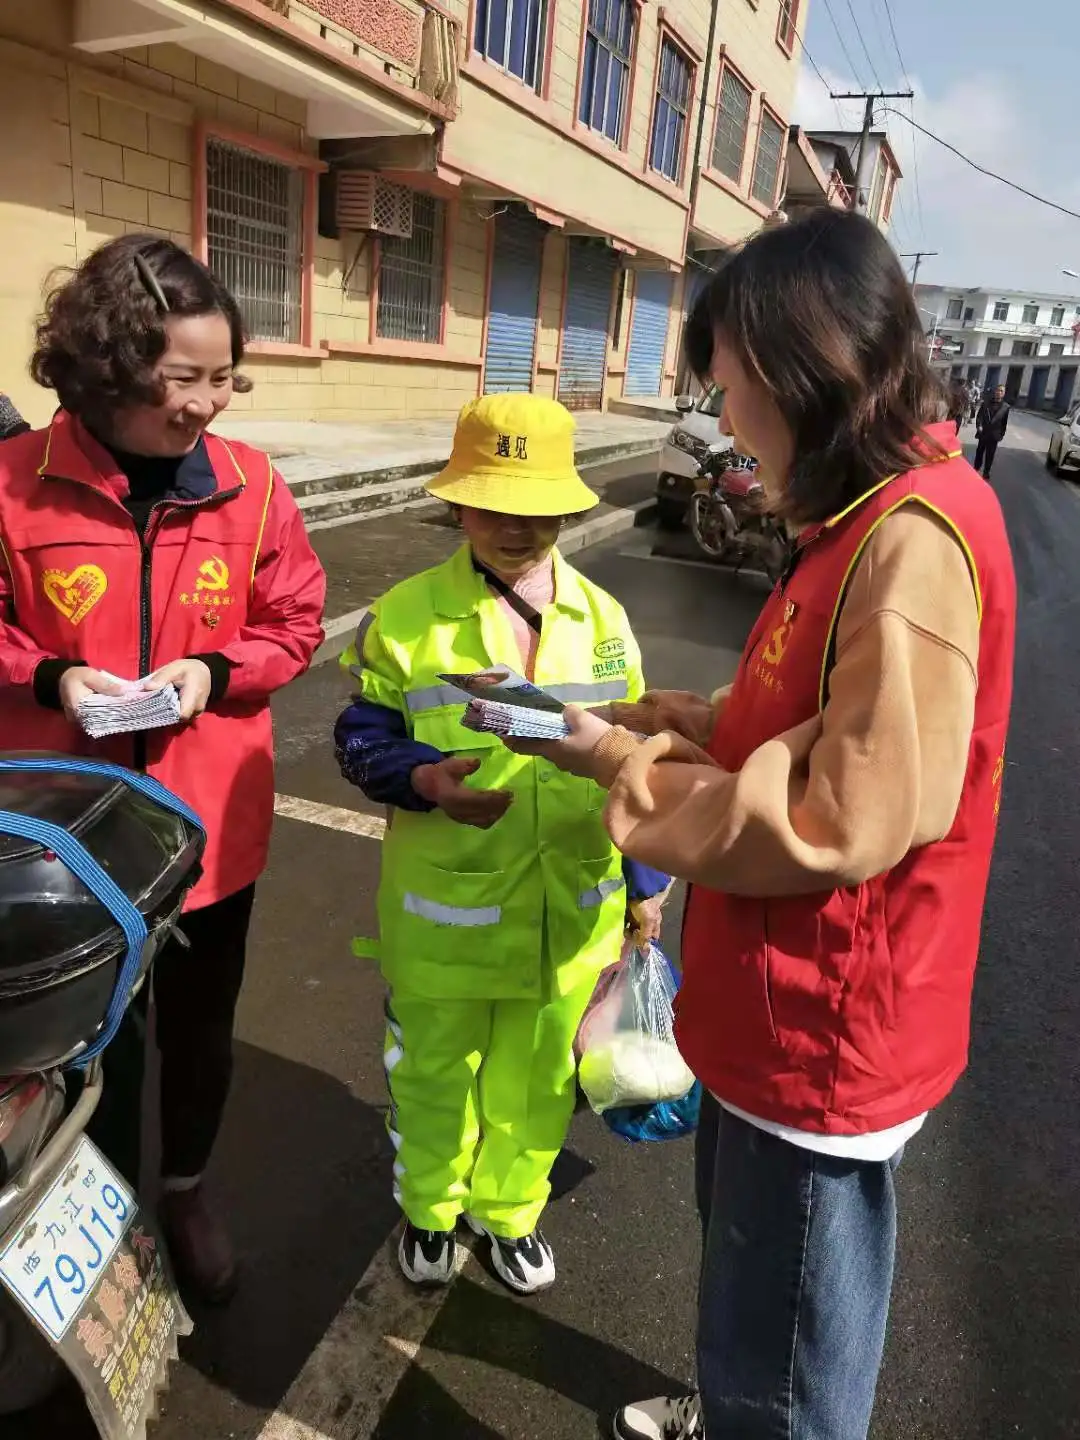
<point>514,454</point>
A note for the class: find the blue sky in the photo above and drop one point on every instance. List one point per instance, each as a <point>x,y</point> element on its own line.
<point>1000,81</point>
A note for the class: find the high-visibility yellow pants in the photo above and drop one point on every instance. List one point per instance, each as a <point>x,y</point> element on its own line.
<point>482,1093</point>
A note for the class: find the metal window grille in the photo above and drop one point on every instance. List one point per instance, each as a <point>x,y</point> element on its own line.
<point>605,70</point>
<point>669,113</point>
<point>254,233</point>
<point>993,346</point>
<point>789,15</point>
<point>1001,310</point>
<point>767,160</point>
<point>511,34</point>
<point>411,279</point>
<point>732,126</point>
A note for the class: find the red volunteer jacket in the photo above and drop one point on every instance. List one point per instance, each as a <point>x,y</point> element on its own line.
<point>848,1012</point>
<point>232,573</point>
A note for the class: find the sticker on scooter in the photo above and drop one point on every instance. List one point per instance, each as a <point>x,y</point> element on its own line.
<point>88,1266</point>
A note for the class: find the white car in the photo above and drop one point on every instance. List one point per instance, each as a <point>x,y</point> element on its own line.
<point>1064,452</point>
<point>694,435</point>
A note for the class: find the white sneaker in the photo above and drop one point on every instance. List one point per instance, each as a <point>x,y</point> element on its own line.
<point>526,1265</point>
<point>427,1257</point>
<point>665,1418</point>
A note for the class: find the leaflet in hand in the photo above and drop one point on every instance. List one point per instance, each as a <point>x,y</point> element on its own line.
<point>133,709</point>
<point>502,703</point>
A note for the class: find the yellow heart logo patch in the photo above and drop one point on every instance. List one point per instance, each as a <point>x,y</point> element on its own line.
<point>76,594</point>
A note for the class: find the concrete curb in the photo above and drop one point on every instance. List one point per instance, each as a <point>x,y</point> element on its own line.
<point>340,631</point>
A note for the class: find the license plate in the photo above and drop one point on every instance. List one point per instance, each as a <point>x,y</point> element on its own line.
<point>67,1239</point>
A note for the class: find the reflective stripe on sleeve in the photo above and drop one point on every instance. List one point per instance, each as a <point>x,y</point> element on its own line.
<point>592,898</point>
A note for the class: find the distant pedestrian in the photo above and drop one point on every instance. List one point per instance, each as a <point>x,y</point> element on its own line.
<point>974,397</point>
<point>958,403</point>
<point>991,423</point>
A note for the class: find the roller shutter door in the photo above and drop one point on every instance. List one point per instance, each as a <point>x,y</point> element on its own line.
<point>514,303</point>
<point>583,360</point>
<point>648,333</point>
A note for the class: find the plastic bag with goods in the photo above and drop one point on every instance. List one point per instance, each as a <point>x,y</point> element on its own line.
<point>626,1042</point>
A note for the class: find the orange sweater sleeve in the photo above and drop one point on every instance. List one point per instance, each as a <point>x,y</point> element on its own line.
<point>847,794</point>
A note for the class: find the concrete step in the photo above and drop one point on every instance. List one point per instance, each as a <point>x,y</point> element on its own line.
<point>646,407</point>
<point>330,491</point>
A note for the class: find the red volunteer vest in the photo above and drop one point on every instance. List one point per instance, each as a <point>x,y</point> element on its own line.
<point>77,570</point>
<point>847,1012</point>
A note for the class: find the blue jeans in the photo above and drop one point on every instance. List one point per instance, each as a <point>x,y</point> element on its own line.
<point>796,1276</point>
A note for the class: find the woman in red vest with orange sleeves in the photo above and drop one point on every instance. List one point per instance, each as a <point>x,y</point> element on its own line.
<point>135,544</point>
<point>835,811</point>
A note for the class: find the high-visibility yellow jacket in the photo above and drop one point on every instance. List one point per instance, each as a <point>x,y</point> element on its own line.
<point>467,913</point>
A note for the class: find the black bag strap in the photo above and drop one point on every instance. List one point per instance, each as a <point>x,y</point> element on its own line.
<point>528,613</point>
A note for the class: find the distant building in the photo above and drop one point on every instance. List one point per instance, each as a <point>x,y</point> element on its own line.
<point>1030,343</point>
<point>822,169</point>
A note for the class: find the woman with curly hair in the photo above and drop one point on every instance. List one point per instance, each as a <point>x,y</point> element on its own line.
<point>135,544</point>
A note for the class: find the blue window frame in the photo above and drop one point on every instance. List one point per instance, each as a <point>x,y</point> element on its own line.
<point>670,112</point>
<point>605,70</point>
<point>511,34</point>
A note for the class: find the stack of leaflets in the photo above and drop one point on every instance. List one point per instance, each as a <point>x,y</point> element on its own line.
<point>133,709</point>
<point>502,703</point>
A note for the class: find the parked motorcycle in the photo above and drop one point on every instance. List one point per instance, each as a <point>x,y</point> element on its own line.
<point>95,863</point>
<point>728,519</point>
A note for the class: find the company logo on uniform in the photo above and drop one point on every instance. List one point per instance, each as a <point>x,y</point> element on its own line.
<point>75,594</point>
<point>211,589</point>
<point>610,658</point>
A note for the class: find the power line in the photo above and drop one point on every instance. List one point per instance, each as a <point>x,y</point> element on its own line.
<point>862,42</point>
<point>1012,184</point>
<point>896,43</point>
<point>843,47</point>
<point>821,77</point>
<point>914,142</point>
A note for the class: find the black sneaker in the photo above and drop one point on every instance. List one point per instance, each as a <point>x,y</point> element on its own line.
<point>427,1257</point>
<point>526,1265</point>
<point>665,1418</point>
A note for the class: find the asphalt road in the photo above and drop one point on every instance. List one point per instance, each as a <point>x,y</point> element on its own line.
<point>985,1337</point>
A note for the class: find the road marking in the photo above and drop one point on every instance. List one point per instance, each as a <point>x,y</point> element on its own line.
<point>351,1375</point>
<point>330,817</point>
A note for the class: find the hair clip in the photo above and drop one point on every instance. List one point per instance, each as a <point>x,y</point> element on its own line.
<point>153,286</point>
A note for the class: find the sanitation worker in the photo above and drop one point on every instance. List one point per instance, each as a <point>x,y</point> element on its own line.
<point>502,897</point>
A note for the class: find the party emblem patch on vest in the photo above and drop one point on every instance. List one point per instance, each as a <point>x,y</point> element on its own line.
<point>210,591</point>
<point>76,593</point>
<point>770,656</point>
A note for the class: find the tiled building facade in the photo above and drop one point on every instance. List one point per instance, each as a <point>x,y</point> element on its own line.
<point>415,201</point>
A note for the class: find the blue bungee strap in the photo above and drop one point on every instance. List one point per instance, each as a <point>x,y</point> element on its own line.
<point>100,884</point>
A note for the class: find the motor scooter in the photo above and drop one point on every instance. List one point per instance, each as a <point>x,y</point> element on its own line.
<point>95,863</point>
<point>728,520</point>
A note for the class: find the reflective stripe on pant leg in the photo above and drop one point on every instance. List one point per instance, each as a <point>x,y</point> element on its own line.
<point>431,1055</point>
<point>526,1092</point>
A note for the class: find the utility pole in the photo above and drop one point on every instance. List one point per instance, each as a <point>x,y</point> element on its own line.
<point>862,167</point>
<point>918,256</point>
